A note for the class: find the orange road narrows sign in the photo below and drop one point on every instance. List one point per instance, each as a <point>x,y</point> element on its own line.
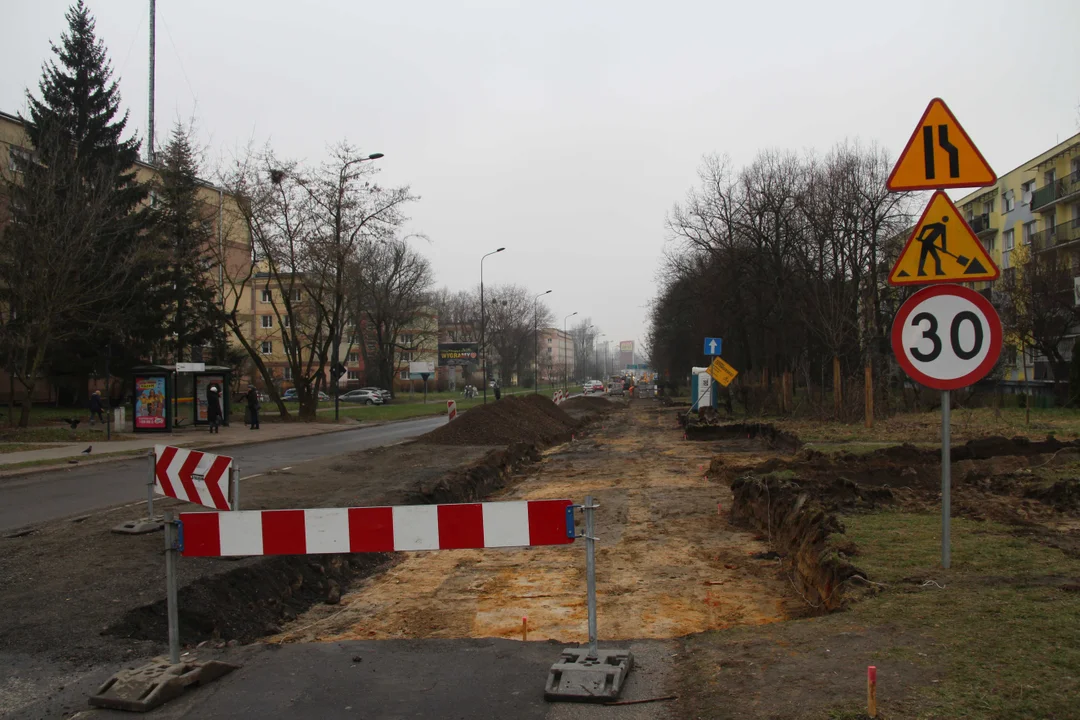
<point>940,155</point>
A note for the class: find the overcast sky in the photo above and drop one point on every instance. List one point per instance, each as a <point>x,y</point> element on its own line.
<point>565,130</point>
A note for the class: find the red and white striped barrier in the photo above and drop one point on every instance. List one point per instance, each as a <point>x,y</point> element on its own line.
<point>377,529</point>
<point>451,410</point>
<point>193,476</point>
<point>560,395</point>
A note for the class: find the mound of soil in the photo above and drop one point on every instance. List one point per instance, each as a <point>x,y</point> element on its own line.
<point>546,406</point>
<point>1063,495</point>
<point>505,422</point>
<point>590,404</point>
<point>772,436</point>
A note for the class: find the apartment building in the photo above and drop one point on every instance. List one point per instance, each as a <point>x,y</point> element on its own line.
<point>1034,208</point>
<point>557,355</point>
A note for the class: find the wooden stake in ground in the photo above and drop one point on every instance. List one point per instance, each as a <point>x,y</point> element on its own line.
<point>871,691</point>
<point>836,387</point>
<point>869,397</point>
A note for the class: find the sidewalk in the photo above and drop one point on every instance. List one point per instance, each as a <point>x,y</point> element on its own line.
<point>237,434</point>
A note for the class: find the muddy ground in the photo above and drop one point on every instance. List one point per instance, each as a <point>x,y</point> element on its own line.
<point>77,596</point>
<point>668,562</point>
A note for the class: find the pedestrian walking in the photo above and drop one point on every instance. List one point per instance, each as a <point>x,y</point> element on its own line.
<point>213,408</point>
<point>498,391</point>
<point>95,407</point>
<point>253,407</point>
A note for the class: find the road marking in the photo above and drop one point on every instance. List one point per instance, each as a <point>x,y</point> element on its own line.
<point>286,468</point>
<point>251,476</point>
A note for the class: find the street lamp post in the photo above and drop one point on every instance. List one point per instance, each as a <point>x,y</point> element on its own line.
<point>337,370</point>
<point>565,366</point>
<point>536,344</point>
<point>483,319</point>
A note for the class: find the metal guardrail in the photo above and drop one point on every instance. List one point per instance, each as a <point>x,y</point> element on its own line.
<point>981,223</point>
<point>1052,192</point>
<point>1063,234</point>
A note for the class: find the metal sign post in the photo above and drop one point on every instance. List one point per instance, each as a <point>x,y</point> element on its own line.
<point>946,478</point>
<point>234,485</point>
<point>590,572</point>
<point>172,547</point>
<point>152,460</point>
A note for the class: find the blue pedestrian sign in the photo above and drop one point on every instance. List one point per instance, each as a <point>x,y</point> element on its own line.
<point>712,346</point>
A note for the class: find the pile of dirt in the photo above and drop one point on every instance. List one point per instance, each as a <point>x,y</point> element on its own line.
<point>546,406</point>
<point>505,422</point>
<point>589,404</point>
<point>1064,495</point>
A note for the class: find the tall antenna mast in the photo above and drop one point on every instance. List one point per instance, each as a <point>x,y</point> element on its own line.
<point>150,136</point>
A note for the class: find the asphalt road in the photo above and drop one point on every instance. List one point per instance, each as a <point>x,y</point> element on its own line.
<point>381,680</point>
<point>39,497</point>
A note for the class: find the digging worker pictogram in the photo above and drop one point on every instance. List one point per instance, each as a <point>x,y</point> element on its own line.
<point>927,238</point>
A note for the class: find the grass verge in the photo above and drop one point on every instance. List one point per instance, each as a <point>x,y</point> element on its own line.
<point>6,448</point>
<point>995,637</point>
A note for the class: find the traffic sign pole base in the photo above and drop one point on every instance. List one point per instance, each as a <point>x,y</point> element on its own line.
<point>144,688</point>
<point>578,678</point>
<point>139,527</point>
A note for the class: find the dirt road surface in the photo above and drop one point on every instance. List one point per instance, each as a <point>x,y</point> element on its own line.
<point>668,563</point>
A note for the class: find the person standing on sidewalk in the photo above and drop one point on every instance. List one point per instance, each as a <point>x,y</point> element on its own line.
<point>95,407</point>
<point>253,407</point>
<point>213,408</point>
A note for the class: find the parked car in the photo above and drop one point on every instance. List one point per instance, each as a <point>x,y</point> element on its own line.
<point>291,396</point>
<point>364,396</point>
<point>384,394</point>
<point>597,386</point>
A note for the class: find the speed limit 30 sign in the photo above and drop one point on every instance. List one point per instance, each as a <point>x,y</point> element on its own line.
<point>947,337</point>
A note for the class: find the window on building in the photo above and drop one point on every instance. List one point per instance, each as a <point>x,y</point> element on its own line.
<point>406,356</point>
<point>285,322</point>
<point>296,295</point>
<point>1050,176</point>
<point>988,206</point>
<point>287,372</point>
<point>990,243</point>
<point>1029,230</point>
<point>267,347</point>
<point>354,357</point>
<point>1050,223</point>
<point>1026,191</point>
<point>1008,201</point>
<point>15,154</point>
<point>549,351</point>
<point>265,297</point>
<point>1008,240</point>
<point>405,339</point>
<point>353,375</point>
<point>404,374</point>
<point>267,321</point>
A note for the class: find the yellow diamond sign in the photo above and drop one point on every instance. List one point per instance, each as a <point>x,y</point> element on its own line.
<point>721,372</point>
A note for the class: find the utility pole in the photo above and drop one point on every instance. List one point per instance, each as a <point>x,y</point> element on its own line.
<point>153,43</point>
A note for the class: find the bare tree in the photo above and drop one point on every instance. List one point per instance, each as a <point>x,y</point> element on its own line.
<point>350,214</point>
<point>1038,306</point>
<point>390,295</point>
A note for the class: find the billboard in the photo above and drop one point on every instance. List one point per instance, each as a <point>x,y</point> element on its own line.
<point>150,403</point>
<point>626,346</point>
<point>451,354</point>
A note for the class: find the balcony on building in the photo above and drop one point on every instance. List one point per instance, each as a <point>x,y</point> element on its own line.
<point>1066,233</point>
<point>980,225</point>
<point>1049,195</point>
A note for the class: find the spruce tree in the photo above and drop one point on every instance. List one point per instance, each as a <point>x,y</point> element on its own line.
<point>78,122</point>
<point>186,226</point>
<point>78,261</point>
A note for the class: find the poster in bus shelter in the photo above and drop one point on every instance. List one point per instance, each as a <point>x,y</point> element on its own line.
<point>150,406</point>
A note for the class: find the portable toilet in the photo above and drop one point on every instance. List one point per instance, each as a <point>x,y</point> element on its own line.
<point>702,389</point>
